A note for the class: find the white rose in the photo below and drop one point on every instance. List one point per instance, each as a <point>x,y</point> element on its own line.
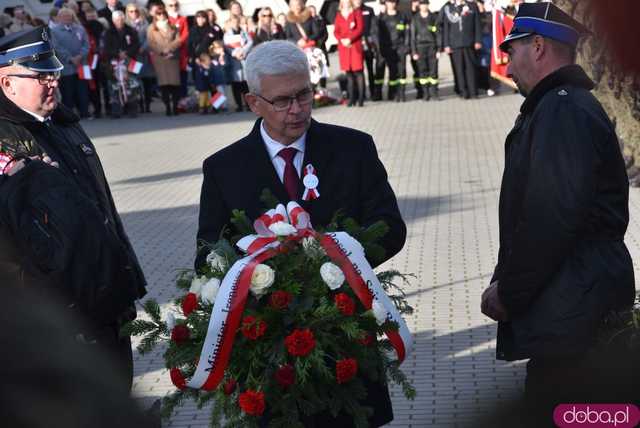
<point>170,320</point>
<point>262,278</point>
<point>196,284</point>
<point>379,311</point>
<point>210,291</point>
<point>281,228</point>
<point>332,275</point>
<point>216,261</point>
<point>312,248</point>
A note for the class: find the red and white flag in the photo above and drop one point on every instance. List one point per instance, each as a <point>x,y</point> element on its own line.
<point>84,72</point>
<point>93,60</point>
<point>134,66</point>
<point>218,99</point>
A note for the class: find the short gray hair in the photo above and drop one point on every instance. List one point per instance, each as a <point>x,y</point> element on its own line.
<point>117,14</point>
<point>274,58</point>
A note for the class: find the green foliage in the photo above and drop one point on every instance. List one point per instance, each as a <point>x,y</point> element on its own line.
<point>253,363</point>
<point>269,201</point>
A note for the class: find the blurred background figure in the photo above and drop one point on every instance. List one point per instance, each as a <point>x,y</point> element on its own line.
<point>268,28</point>
<point>349,30</point>
<point>164,43</point>
<point>136,18</point>
<point>182,25</point>
<point>72,47</point>
<point>238,42</point>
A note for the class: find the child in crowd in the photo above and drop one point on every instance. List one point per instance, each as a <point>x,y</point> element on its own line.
<point>220,68</point>
<point>204,82</point>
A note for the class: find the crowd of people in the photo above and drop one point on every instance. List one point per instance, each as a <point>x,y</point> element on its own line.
<point>116,59</point>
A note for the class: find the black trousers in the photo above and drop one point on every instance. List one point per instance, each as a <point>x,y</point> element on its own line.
<point>75,93</point>
<point>170,98</point>
<point>465,64</point>
<point>396,61</point>
<point>371,77</point>
<point>427,65</point>
<point>239,89</point>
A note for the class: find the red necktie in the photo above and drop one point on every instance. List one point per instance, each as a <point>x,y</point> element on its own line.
<point>290,176</point>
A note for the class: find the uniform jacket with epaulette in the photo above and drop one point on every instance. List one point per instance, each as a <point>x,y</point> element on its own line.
<point>80,172</point>
<point>394,33</point>
<point>562,264</point>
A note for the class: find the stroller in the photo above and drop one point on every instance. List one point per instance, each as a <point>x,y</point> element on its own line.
<point>125,90</point>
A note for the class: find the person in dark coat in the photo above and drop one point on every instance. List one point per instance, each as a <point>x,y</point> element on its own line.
<point>563,267</point>
<point>394,41</point>
<point>369,41</point>
<point>42,138</point>
<point>201,36</point>
<point>462,37</point>
<point>351,177</point>
<point>110,7</point>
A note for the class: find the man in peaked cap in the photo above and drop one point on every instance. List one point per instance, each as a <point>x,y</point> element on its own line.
<point>51,186</point>
<point>563,268</point>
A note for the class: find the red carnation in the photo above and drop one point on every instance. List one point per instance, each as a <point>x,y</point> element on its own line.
<point>252,402</point>
<point>180,334</point>
<point>253,328</point>
<point>229,386</point>
<point>366,339</point>
<point>346,369</point>
<point>345,304</point>
<point>177,378</point>
<point>285,375</point>
<point>280,299</point>
<point>300,343</point>
<point>189,304</point>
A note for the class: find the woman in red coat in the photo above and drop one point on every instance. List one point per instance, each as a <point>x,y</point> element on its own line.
<point>348,29</point>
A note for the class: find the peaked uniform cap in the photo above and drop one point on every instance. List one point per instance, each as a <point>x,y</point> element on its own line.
<point>547,20</point>
<point>30,48</point>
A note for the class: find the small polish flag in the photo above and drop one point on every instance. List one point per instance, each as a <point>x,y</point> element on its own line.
<point>84,72</point>
<point>218,100</point>
<point>94,61</point>
<point>134,66</point>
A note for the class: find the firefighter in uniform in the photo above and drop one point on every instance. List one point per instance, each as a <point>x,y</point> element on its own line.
<point>461,38</point>
<point>425,49</point>
<point>393,38</point>
<point>415,7</point>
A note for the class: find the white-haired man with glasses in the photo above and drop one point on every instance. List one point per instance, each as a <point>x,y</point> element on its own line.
<point>51,187</point>
<point>284,142</point>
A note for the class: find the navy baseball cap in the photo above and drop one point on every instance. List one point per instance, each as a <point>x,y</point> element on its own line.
<point>31,49</point>
<point>547,20</point>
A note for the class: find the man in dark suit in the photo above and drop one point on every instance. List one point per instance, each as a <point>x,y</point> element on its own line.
<point>281,146</point>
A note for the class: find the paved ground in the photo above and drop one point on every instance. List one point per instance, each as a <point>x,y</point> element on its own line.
<point>444,161</point>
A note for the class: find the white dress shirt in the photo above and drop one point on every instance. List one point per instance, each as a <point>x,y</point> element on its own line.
<point>36,116</point>
<point>274,147</point>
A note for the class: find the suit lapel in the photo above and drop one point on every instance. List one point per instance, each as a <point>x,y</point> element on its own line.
<point>261,167</point>
<point>317,153</point>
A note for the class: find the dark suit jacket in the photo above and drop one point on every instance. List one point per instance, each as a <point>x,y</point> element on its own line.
<point>352,179</point>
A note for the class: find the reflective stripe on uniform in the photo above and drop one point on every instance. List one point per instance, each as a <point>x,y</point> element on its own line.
<point>425,81</point>
<point>393,82</point>
<point>401,27</point>
<point>433,28</point>
<point>432,80</point>
<point>402,81</point>
<point>379,82</point>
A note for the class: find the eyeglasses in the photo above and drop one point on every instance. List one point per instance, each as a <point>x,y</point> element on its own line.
<point>43,78</point>
<point>304,97</point>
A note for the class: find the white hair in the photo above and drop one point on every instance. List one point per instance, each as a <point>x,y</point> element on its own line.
<point>117,14</point>
<point>274,58</point>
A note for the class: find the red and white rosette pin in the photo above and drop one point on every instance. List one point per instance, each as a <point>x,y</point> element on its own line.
<point>310,181</point>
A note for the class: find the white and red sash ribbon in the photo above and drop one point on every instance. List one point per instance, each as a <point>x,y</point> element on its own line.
<point>228,308</point>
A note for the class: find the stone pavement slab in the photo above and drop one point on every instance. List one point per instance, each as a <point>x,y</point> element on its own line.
<point>444,161</point>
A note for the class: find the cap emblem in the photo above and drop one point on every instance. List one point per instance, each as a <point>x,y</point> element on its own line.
<point>45,36</point>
